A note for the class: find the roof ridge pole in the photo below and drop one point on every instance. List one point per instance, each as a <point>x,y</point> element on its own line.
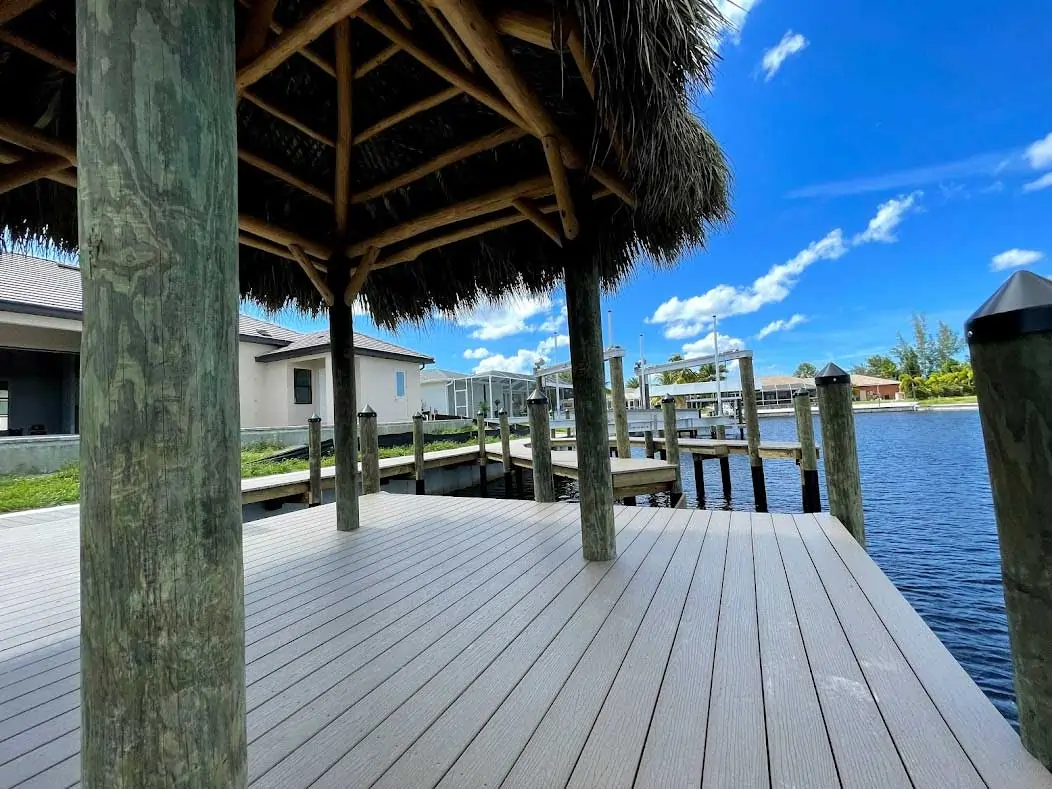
<point>162,580</point>
<point>585,325</point>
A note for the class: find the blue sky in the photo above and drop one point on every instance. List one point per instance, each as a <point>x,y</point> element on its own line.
<point>888,158</point>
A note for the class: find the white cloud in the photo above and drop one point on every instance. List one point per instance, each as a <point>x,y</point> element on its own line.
<point>549,344</point>
<point>476,353</point>
<point>705,346</point>
<point>492,321</point>
<point>1015,257</point>
<point>882,227</point>
<point>523,360</point>
<point>1044,182</point>
<point>555,321</point>
<point>1039,153</point>
<point>774,57</point>
<point>735,12</point>
<point>787,324</point>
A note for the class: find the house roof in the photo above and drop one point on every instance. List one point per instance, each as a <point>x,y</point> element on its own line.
<point>871,380</point>
<point>39,286</point>
<point>784,382</point>
<point>443,376</point>
<point>364,345</point>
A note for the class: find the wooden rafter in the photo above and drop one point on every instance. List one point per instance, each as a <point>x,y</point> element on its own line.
<point>279,235</point>
<point>561,183</point>
<point>454,76</point>
<point>306,53</point>
<point>261,17</point>
<point>313,274</point>
<point>249,240</point>
<point>37,51</point>
<point>400,14</point>
<point>529,27</point>
<point>284,175</point>
<point>296,38</point>
<point>404,114</point>
<point>376,60</point>
<point>67,176</point>
<point>292,121</point>
<point>10,9</point>
<point>343,124</point>
<point>614,184</point>
<point>451,156</point>
<point>495,200</point>
<point>450,37</point>
<point>534,214</point>
<point>30,169</point>
<point>34,140</point>
<point>358,276</point>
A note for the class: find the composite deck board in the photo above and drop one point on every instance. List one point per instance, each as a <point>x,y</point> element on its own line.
<point>464,642</point>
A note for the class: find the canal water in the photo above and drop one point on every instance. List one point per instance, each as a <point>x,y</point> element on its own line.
<point>929,525</point>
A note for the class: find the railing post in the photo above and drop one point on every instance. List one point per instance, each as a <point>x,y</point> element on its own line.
<point>648,443</point>
<point>725,463</point>
<point>541,447</point>
<point>620,406</point>
<point>418,453</point>
<point>505,451</point>
<point>480,424</point>
<point>843,483</point>
<point>752,432</point>
<point>1010,339</point>
<point>805,433</point>
<point>314,459</point>
<point>370,450</point>
<point>668,410</point>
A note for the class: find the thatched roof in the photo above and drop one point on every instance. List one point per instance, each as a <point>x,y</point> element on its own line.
<point>637,134</point>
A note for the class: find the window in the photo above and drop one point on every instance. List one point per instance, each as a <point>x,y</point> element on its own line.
<point>3,406</point>
<point>399,383</point>
<point>301,386</point>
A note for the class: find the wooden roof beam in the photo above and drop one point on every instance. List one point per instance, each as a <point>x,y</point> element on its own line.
<point>10,9</point>
<point>532,28</point>
<point>451,38</point>
<point>34,140</point>
<point>279,235</point>
<point>30,169</point>
<point>296,38</point>
<point>263,165</point>
<point>306,53</point>
<point>376,60</point>
<point>404,114</point>
<point>452,75</point>
<point>534,214</point>
<point>399,13</point>
<point>459,153</point>
<point>37,51</point>
<point>495,200</point>
<point>249,240</point>
<point>313,274</point>
<point>292,121</point>
<point>357,281</point>
<point>67,177</point>
<point>261,17</point>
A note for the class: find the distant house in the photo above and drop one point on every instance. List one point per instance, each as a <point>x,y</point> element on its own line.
<point>449,393</point>
<point>869,387</point>
<point>284,375</point>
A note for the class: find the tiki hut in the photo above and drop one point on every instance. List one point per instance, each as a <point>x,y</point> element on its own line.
<point>419,155</point>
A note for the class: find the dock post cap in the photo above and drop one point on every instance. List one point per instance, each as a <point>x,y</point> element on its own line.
<point>668,399</point>
<point>802,393</point>
<point>831,374</point>
<point>481,413</point>
<point>502,412</point>
<point>313,418</point>
<point>1022,305</point>
<point>418,415</point>
<point>368,413</point>
<point>537,396</point>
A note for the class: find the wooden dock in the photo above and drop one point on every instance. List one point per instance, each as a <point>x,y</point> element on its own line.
<point>709,447</point>
<point>462,642</point>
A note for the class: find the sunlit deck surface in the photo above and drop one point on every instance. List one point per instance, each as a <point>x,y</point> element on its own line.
<point>465,642</point>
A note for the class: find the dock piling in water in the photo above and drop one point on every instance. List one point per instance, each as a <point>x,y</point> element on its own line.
<point>648,443</point>
<point>541,447</point>
<point>840,450</point>
<point>480,422</point>
<point>725,464</point>
<point>314,460</point>
<point>370,450</point>
<point>1010,340</point>
<point>418,453</point>
<point>505,451</point>
<point>752,432</point>
<point>668,411</point>
<point>805,433</point>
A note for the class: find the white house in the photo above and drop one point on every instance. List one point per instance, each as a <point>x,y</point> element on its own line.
<point>284,375</point>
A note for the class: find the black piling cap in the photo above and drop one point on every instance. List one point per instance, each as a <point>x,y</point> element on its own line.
<point>802,393</point>
<point>537,396</point>
<point>368,413</point>
<point>1023,305</point>
<point>314,418</point>
<point>668,399</point>
<point>831,374</point>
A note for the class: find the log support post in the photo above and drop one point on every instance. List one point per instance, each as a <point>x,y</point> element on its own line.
<point>162,645</point>
<point>505,450</point>
<point>314,459</point>
<point>668,411</point>
<point>540,448</point>
<point>725,464</point>
<point>843,483</point>
<point>418,453</point>
<point>345,419</point>
<point>620,406</point>
<point>480,423</point>
<point>805,433</point>
<point>1010,339</point>
<point>370,450</point>
<point>752,432</point>
<point>584,322</point>
<point>648,443</point>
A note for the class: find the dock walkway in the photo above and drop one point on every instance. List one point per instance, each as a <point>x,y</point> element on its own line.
<point>462,642</point>
<point>711,447</point>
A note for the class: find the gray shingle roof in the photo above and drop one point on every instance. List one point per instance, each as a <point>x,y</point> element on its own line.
<point>318,342</point>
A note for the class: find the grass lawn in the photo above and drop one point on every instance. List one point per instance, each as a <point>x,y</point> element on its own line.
<point>963,399</point>
<point>63,487</point>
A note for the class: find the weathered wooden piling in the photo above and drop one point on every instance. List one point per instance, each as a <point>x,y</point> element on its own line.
<point>752,432</point>
<point>648,443</point>
<point>314,460</point>
<point>843,482</point>
<point>805,433</point>
<point>699,478</point>
<point>1010,340</point>
<point>668,411</point>
<point>584,325</point>
<point>162,645</point>
<point>620,406</point>
<point>505,451</point>
<point>725,464</point>
<point>480,426</point>
<point>541,447</point>
<point>418,453</point>
<point>370,450</point>
<point>345,406</point>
